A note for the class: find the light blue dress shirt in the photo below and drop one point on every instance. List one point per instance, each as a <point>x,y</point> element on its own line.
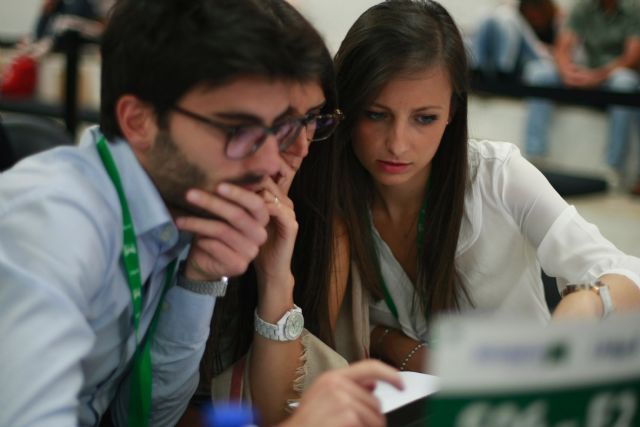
<point>66,333</point>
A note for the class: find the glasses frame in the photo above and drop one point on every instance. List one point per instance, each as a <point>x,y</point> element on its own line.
<point>231,130</point>
<point>337,115</point>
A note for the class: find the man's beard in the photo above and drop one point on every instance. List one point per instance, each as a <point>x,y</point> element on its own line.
<point>173,175</point>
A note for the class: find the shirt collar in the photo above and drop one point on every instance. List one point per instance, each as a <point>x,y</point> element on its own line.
<point>148,210</point>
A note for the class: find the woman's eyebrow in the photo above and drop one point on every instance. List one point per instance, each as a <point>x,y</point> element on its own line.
<point>317,107</point>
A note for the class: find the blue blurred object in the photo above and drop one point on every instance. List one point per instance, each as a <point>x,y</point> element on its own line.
<point>229,415</point>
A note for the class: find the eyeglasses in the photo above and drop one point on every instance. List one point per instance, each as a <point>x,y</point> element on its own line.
<point>320,126</point>
<point>244,140</point>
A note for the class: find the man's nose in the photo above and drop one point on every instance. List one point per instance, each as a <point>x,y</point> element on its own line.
<point>266,160</point>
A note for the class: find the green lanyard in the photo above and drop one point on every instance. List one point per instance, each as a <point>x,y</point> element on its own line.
<point>140,392</point>
<point>420,244</point>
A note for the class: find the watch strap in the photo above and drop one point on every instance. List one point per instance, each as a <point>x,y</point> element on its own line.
<point>275,332</point>
<point>600,288</point>
<point>215,288</point>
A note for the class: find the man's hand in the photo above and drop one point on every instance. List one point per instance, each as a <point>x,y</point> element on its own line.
<point>224,246</point>
<point>344,398</point>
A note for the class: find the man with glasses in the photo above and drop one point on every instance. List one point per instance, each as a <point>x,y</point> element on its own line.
<point>112,253</point>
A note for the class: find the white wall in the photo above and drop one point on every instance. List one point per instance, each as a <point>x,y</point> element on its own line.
<point>334,17</point>
<point>17,17</point>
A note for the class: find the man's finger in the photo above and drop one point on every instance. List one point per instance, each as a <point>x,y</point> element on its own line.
<point>366,371</point>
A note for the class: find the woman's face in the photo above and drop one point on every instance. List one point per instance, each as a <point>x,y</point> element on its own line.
<point>397,135</point>
<point>306,98</point>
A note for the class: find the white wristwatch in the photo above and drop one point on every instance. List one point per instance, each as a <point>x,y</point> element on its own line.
<point>288,328</point>
<point>599,288</point>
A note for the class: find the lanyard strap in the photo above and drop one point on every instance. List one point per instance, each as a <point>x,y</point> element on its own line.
<point>140,393</point>
<point>420,245</point>
<point>140,389</point>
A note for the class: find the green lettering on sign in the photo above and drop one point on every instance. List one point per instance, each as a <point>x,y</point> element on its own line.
<point>605,405</point>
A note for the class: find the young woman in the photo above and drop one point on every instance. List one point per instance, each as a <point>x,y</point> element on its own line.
<point>440,223</point>
<point>242,360</point>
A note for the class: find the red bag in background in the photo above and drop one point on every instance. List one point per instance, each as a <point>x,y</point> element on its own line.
<point>19,79</point>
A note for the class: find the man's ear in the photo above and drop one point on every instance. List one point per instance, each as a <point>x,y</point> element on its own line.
<point>137,122</point>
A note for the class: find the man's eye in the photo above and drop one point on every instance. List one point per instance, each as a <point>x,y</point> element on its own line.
<point>374,115</point>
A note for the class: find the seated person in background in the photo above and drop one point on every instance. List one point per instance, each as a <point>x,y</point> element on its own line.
<point>233,366</point>
<point>153,208</point>
<point>7,156</point>
<point>599,47</point>
<point>56,17</point>
<point>88,15</point>
<point>635,190</point>
<point>441,223</point>
<point>512,36</point>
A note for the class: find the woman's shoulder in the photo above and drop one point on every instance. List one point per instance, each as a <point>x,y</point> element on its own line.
<point>488,150</point>
<point>489,157</point>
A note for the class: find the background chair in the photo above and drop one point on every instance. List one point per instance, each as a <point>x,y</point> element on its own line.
<point>22,135</point>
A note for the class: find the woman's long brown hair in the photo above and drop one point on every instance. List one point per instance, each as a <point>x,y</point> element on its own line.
<point>389,40</point>
<point>312,192</point>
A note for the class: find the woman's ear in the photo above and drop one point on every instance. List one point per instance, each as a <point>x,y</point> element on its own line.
<point>137,121</point>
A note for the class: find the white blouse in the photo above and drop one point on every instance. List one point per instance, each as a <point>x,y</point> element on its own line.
<point>514,223</point>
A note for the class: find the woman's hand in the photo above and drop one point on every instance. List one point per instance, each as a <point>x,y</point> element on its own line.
<point>273,263</point>
<point>285,175</point>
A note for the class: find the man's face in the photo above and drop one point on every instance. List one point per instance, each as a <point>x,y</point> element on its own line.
<point>191,154</point>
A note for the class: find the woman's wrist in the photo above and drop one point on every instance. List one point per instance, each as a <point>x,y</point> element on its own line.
<point>275,298</point>
<point>408,360</point>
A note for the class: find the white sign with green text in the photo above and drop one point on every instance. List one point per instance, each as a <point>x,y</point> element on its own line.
<point>509,372</point>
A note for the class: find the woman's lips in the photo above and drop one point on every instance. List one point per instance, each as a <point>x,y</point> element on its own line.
<point>393,167</point>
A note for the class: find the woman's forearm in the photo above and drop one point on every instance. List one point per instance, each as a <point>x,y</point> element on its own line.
<point>274,365</point>
<point>399,350</point>
<point>624,293</point>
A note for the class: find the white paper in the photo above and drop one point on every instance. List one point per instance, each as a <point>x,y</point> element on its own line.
<point>416,386</point>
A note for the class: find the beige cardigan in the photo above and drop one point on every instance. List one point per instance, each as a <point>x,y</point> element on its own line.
<point>352,343</point>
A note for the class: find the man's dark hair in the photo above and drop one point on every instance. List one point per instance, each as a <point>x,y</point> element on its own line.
<point>158,50</point>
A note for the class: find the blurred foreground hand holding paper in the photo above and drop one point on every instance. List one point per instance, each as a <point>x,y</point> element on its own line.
<point>416,386</point>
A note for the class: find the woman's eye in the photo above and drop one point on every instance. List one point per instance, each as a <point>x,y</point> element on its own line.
<point>374,115</point>
<point>426,119</point>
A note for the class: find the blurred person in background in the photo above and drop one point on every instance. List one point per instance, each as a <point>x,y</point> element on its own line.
<point>513,35</point>
<point>598,47</point>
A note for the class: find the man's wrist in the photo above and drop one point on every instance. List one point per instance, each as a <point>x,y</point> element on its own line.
<point>215,287</point>
<point>192,271</point>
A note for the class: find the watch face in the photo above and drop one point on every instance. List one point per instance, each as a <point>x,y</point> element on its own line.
<point>294,325</point>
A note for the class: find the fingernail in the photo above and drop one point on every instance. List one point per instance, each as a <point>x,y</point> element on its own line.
<point>224,189</point>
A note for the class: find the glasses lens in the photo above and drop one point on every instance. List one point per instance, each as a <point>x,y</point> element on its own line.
<point>245,141</point>
<point>287,132</point>
<point>324,126</point>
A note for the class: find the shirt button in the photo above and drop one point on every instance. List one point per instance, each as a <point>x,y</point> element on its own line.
<point>166,234</point>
